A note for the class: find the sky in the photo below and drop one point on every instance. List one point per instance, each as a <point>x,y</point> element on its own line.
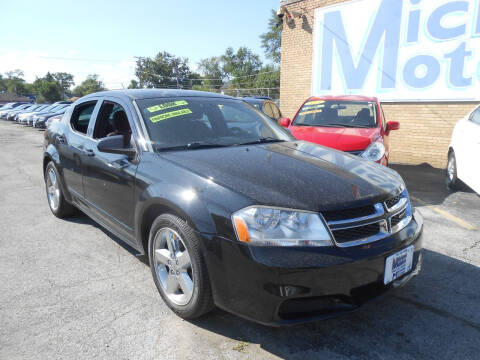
<point>104,36</point>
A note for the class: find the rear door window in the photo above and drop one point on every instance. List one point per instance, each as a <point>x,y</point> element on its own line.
<point>81,116</point>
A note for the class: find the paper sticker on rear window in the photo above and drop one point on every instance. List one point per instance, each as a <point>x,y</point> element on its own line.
<point>170,115</point>
<point>167,105</point>
<point>315,102</point>
<point>311,112</point>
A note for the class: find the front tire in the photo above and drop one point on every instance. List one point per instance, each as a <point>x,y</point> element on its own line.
<point>56,200</point>
<point>452,180</point>
<point>178,268</point>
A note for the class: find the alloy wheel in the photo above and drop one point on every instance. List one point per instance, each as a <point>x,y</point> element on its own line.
<point>451,169</point>
<point>53,191</point>
<point>173,266</point>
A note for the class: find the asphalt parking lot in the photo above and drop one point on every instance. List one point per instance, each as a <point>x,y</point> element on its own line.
<point>71,290</point>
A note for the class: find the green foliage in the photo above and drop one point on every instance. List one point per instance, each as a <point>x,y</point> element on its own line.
<point>50,88</point>
<point>272,39</point>
<point>90,85</point>
<point>268,77</point>
<point>212,70</point>
<point>47,90</point>
<point>163,71</point>
<point>133,84</point>
<point>242,65</point>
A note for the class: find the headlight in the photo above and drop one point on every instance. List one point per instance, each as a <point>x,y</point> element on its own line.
<point>374,152</point>
<point>263,226</point>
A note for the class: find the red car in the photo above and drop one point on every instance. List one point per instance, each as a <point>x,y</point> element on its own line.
<point>354,124</point>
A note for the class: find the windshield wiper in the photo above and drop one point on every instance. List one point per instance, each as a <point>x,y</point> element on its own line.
<point>262,140</point>
<point>190,146</point>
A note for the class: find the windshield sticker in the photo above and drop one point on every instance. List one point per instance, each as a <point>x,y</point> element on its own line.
<point>170,115</point>
<point>311,112</point>
<point>167,105</point>
<point>318,102</point>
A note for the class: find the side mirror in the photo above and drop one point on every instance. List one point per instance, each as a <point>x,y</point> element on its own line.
<point>117,144</point>
<point>393,125</point>
<point>285,122</point>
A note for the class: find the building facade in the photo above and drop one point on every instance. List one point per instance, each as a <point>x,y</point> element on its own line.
<point>425,125</point>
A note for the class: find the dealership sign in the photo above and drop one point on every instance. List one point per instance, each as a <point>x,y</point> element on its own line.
<point>398,49</point>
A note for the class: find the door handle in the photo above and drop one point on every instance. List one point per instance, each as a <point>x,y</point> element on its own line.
<point>89,152</point>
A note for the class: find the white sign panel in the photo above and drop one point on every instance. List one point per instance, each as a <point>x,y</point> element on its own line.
<point>398,49</point>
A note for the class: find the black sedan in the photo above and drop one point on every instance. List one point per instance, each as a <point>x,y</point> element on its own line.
<point>244,217</point>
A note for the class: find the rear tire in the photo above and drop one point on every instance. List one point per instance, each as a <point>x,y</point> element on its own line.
<point>56,200</point>
<point>178,268</point>
<point>452,180</point>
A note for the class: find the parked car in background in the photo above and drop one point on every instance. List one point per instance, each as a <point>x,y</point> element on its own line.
<point>49,121</point>
<point>40,121</point>
<point>13,116</point>
<point>354,124</point>
<point>464,153</point>
<point>265,105</point>
<point>49,111</point>
<point>5,112</point>
<point>22,117</point>
<point>275,230</point>
<point>12,105</point>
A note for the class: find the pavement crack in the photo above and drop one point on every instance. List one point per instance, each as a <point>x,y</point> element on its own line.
<point>439,312</point>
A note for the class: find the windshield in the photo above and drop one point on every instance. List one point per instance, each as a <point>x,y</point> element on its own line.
<point>337,113</point>
<point>191,122</point>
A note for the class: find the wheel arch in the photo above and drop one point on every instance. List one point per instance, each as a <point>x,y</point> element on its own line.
<point>150,211</point>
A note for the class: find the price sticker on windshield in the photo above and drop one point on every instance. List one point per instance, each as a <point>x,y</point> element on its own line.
<point>170,115</point>
<point>167,105</point>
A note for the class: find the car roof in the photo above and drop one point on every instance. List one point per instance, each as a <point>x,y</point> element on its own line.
<point>253,100</point>
<point>344,97</point>
<point>138,94</point>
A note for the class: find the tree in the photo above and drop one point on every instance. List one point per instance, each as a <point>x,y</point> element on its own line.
<point>243,66</point>
<point>65,81</point>
<point>212,71</point>
<point>3,85</point>
<point>90,85</point>
<point>14,82</point>
<point>133,84</point>
<point>272,39</point>
<point>268,81</point>
<point>164,71</point>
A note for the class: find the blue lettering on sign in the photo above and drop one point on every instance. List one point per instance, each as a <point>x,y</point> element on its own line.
<point>457,66</point>
<point>434,24</point>
<point>431,75</point>
<point>384,26</point>
<point>413,26</point>
<point>383,38</point>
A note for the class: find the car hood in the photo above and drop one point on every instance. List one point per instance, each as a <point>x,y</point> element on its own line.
<point>296,175</point>
<point>343,139</point>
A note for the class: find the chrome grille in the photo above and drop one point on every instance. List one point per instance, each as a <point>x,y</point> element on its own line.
<point>390,203</point>
<point>362,225</point>
<point>349,213</point>
<point>356,233</point>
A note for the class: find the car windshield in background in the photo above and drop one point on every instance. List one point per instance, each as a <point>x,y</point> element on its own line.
<point>196,122</point>
<point>355,114</point>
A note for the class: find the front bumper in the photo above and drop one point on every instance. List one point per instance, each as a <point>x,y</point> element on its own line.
<point>286,286</point>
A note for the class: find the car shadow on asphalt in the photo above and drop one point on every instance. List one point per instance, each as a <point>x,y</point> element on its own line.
<point>434,316</point>
<point>83,219</point>
<point>426,182</point>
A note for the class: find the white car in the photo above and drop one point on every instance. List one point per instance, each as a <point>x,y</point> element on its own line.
<point>464,153</point>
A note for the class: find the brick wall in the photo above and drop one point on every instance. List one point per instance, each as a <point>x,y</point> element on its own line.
<point>425,128</point>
